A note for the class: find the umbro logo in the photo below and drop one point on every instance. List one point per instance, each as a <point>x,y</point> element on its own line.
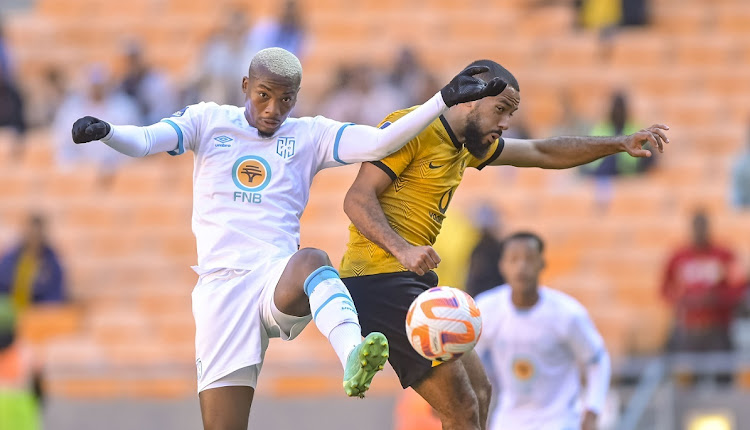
<point>432,166</point>
<point>223,141</point>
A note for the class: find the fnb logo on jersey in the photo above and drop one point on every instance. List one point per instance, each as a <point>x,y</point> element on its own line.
<point>251,174</point>
<point>285,146</point>
<point>523,368</point>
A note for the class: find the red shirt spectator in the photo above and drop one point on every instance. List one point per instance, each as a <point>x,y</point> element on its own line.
<point>697,283</point>
<point>700,283</point>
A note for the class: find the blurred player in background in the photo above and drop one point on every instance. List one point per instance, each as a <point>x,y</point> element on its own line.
<point>397,206</point>
<point>251,182</point>
<point>534,342</point>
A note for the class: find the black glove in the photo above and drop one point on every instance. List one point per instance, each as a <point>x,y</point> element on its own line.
<point>466,88</point>
<point>89,128</point>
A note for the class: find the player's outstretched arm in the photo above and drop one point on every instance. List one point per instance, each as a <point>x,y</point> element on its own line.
<point>127,139</point>
<point>566,152</point>
<point>359,143</point>
<point>363,209</point>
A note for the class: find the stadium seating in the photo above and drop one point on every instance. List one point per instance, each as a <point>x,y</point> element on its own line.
<point>128,249</point>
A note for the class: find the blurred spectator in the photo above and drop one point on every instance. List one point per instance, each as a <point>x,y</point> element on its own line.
<point>49,93</point>
<point>18,406</point>
<point>359,96</point>
<point>287,32</point>
<point>12,106</point>
<point>6,68</point>
<point>484,272</point>
<point>225,56</point>
<point>99,100</point>
<point>150,89</point>
<point>604,169</point>
<point>607,14</point>
<point>634,13</point>
<point>55,90</point>
<point>600,14</point>
<point>12,110</point>
<point>31,272</point>
<point>618,124</point>
<point>412,80</point>
<point>740,192</point>
<point>704,287</point>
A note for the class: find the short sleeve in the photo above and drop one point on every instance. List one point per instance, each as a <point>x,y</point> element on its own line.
<point>584,340</point>
<point>495,149</point>
<point>188,125</point>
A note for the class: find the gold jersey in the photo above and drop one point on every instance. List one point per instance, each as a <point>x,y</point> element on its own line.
<point>425,174</point>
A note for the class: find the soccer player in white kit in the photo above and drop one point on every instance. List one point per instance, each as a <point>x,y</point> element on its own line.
<point>253,167</point>
<point>534,342</point>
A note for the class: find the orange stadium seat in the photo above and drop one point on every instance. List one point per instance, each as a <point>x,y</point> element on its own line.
<point>634,49</point>
<point>675,19</point>
<point>733,18</point>
<point>702,50</point>
<point>548,21</point>
<point>42,323</point>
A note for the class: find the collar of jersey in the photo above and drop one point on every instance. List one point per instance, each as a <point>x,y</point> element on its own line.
<point>451,135</point>
<point>527,311</point>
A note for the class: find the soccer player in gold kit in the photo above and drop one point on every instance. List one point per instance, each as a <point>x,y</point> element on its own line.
<point>397,206</point>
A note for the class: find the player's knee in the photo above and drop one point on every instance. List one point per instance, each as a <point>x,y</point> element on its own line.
<point>465,413</point>
<point>310,259</point>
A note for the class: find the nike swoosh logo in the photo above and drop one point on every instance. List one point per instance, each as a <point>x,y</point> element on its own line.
<point>435,167</point>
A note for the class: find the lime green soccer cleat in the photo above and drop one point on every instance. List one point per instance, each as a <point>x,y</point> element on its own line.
<point>365,360</point>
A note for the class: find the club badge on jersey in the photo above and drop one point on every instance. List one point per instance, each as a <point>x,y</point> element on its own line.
<point>285,146</point>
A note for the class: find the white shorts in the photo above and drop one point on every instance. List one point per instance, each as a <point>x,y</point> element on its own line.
<point>234,318</point>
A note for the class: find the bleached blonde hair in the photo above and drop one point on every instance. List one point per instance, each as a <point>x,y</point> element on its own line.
<point>278,61</point>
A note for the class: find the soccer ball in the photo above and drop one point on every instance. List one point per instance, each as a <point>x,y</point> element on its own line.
<point>443,323</point>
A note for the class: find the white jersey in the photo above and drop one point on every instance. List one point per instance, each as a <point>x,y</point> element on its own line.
<point>533,358</point>
<point>248,191</point>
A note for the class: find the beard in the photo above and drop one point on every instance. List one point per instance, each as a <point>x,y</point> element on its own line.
<point>265,134</point>
<point>475,138</point>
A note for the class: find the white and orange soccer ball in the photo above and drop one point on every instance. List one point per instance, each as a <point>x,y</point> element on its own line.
<point>443,323</point>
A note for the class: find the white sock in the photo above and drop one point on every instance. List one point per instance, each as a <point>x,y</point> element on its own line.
<point>333,311</point>
<point>344,337</point>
